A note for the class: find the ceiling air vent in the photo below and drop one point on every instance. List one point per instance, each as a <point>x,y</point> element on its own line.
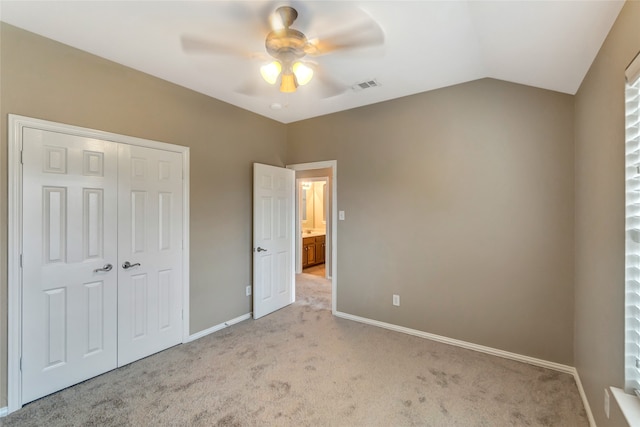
<point>367,84</point>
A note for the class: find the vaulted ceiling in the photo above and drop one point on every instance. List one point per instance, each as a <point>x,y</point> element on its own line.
<point>425,45</point>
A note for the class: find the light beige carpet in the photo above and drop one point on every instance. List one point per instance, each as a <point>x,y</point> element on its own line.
<point>301,366</point>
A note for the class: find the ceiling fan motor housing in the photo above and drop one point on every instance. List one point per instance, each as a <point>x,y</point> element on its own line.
<point>286,45</point>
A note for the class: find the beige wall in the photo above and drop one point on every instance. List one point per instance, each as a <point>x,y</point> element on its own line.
<point>459,200</point>
<point>47,80</point>
<point>599,216</point>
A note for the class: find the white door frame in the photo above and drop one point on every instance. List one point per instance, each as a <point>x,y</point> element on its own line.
<point>14,250</point>
<point>333,164</point>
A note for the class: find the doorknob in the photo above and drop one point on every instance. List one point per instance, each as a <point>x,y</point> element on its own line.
<point>260,249</point>
<point>107,267</point>
<point>127,265</point>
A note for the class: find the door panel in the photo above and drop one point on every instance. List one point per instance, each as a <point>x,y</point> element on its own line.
<point>273,231</point>
<point>150,234</point>
<point>93,223</point>
<point>69,231</point>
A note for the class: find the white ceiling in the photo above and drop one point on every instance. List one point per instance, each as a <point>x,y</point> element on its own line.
<point>428,44</point>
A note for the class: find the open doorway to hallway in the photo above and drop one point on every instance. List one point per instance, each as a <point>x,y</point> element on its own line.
<point>316,215</point>
<point>313,214</point>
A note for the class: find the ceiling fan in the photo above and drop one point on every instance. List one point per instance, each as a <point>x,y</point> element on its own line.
<point>288,48</point>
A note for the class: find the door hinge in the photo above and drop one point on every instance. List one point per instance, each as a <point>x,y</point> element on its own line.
<point>20,364</point>
<point>21,157</point>
<point>20,260</point>
<point>182,314</point>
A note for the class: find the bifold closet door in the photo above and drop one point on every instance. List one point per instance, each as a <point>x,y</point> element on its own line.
<point>102,257</point>
<point>150,251</point>
<point>69,293</point>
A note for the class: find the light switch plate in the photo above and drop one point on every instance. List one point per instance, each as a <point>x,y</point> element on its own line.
<point>341,215</point>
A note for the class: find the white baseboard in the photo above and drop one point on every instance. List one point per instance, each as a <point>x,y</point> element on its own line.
<point>482,349</point>
<point>216,328</point>
<point>464,344</point>
<point>583,396</point>
<point>4,411</point>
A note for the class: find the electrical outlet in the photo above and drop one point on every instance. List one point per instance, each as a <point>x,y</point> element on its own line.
<point>248,290</point>
<point>606,402</point>
<point>396,300</point>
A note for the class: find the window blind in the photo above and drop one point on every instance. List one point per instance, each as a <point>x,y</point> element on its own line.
<point>632,226</point>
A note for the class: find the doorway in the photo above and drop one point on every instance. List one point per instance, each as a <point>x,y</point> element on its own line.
<point>321,243</point>
<point>98,260</point>
<point>313,217</point>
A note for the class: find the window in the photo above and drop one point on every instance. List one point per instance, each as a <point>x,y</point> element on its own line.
<point>632,227</point>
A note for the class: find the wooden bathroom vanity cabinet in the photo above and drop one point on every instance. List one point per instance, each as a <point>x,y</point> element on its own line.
<point>313,250</point>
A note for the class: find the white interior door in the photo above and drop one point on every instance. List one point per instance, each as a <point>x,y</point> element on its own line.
<point>69,235</point>
<point>273,232</point>
<point>150,241</point>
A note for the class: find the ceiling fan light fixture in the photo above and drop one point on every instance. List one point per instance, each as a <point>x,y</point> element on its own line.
<point>271,71</point>
<point>288,83</point>
<point>303,73</point>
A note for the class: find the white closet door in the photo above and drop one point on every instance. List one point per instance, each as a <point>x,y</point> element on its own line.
<point>89,206</point>
<point>150,240</point>
<point>69,234</point>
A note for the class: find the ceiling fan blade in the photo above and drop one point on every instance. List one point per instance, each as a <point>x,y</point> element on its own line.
<point>253,13</point>
<point>259,89</point>
<point>329,87</point>
<point>364,33</point>
<point>199,46</point>
<point>196,45</point>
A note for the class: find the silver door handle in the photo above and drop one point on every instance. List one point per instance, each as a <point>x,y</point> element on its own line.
<point>107,267</point>
<point>260,249</point>
<point>127,265</point>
